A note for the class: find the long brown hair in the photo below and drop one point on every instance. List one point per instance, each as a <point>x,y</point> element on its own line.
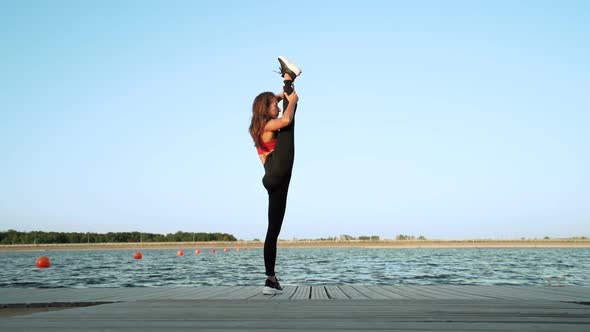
<point>260,116</point>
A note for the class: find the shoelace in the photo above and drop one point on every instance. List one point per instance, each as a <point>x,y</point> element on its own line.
<point>280,72</point>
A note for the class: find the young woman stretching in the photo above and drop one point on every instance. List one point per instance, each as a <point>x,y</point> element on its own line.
<point>275,142</point>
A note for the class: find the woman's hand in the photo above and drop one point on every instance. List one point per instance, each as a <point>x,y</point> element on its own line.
<point>292,98</point>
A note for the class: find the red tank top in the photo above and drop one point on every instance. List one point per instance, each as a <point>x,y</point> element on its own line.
<point>267,146</point>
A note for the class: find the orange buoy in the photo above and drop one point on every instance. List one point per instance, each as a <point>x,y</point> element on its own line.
<point>212,251</point>
<point>43,262</point>
<point>180,253</point>
<point>137,255</point>
<point>197,251</point>
<point>224,249</point>
<point>237,249</point>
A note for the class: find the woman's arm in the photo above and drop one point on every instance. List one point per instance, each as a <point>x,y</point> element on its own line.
<point>285,120</point>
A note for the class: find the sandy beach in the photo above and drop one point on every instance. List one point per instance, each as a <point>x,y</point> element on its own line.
<point>549,243</point>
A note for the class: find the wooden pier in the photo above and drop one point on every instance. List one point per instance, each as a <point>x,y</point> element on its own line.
<point>306,307</point>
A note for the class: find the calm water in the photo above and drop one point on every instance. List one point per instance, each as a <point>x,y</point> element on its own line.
<point>311,266</point>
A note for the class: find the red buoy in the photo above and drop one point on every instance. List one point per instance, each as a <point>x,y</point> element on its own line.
<point>212,251</point>
<point>197,251</point>
<point>224,249</point>
<point>43,262</point>
<point>180,253</point>
<point>137,255</point>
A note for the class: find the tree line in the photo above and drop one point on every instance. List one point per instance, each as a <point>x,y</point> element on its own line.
<point>345,237</point>
<point>37,237</point>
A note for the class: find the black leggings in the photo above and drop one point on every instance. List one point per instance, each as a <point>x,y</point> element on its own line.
<point>277,176</point>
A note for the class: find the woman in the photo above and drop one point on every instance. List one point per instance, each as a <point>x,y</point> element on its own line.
<point>275,143</point>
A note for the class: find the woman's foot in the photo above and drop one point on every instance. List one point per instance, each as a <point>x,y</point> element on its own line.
<point>288,68</point>
<point>272,287</point>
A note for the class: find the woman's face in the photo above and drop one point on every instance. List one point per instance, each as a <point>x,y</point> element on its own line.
<point>274,108</point>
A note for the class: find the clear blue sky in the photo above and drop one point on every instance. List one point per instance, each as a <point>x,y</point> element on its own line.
<point>448,119</point>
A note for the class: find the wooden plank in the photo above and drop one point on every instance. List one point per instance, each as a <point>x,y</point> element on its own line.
<point>168,293</point>
<point>352,293</point>
<point>502,293</point>
<point>408,292</point>
<point>144,293</point>
<point>334,292</point>
<point>60,295</point>
<point>196,293</point>
<point>115,294</point>
<point>578,296</point>
<point>261,296</point>
<point>94,294</point>
<point>452,293</point>
<point>534,292</point>
<point>244,292</point>
<point>288,292</point>
<point>319,293</point>
<point>112,294</point>
<point>577,289</point>
<point>370,293</point>
<point>212,292</point>
<point>220,291</point>
<point>227,293</point>
<point>302,293</point>
<point>470,291</point>
<point>539,294</point>
<point>388,292</point>
<point>442,293</point>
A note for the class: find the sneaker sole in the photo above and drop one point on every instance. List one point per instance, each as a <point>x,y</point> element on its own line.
<point>271,291</point>
<point>293,69</point>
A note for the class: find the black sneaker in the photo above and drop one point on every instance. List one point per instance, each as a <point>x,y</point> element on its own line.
<point>289,68</point>
<point>272,288</point>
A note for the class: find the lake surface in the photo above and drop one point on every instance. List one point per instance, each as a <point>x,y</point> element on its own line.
<point>299,266</point>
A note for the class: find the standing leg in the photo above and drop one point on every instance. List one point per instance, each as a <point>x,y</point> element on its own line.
<point>277,204</point>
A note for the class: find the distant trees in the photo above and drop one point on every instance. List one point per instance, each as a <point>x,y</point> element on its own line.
<point>14,237</point>
<point>410,237</point>
<point>345,237</point>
